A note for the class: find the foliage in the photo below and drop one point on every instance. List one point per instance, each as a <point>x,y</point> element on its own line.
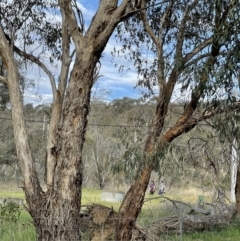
<point>181,29</point>
<point>112,150</point>
<point>9,214</point>
<point>40,29</point>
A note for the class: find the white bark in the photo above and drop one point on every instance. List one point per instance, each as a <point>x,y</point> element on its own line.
<point>25,160</point>
<point>234,165</point>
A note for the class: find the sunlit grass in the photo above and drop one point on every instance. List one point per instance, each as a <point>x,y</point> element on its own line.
<point>153,209</point>
<point>18,232</point>
<point>10,190</point>
<point>227,234</point>
<point>23,230</point>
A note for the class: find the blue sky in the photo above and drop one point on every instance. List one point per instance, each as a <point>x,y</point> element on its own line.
<point>117,85</point>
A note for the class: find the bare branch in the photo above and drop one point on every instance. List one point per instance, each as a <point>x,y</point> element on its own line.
<point>80,16</point>
<point>178,129</point>
<point>196,50</point>
<point>181,31</point>
<point>75,31</point>
<point>40,64</point>
<point>37,62</point>
<point>132,12</point>
<point>149,31</point>
<point>96,75</point>
<point>66,58</point>
<point>3,80</point>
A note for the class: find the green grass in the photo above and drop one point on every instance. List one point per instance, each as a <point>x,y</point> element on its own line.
<point>23,230</point>
<point>154,208</point>
<point>11,190</point>
<point>91,196</point>
<point>18,232</point>
<point>227,234</point>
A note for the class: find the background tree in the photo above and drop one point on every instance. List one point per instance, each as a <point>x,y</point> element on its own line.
<point>37,132</point>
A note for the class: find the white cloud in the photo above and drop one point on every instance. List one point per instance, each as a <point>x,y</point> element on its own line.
<point>89,12</point>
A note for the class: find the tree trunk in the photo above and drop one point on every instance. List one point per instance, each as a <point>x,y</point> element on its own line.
<point>55,218</point>
<point>132,205</point>
<point>237,191</point>
<point>57,215</point>
<point>99,223</point>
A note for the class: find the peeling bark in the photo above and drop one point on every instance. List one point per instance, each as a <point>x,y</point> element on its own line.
<point>237,191</point>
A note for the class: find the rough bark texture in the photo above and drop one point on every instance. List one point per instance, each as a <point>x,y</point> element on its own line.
<point>55,218</point>
<point>61,203</point>
<point>99,223</point>
<point>132,205</point>
<point>237,192</point>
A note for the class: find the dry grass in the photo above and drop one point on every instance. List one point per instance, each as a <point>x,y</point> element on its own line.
<point>90,196</point>
<point>154,208</point>
<point>11,190</point>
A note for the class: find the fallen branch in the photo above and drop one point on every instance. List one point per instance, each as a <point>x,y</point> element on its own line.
<point>192,223</point>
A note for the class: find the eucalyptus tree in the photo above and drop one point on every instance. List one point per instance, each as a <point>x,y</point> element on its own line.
<point>195,45</point>
<point>102,148</point>
<point>188,52</point>
<point>30,30</point>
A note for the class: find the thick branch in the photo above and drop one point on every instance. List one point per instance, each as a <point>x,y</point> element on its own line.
<point>105,20</point>
<point>75,31</point>
<point>3,80</point>
<point>58,102</point>
<point>37,62</point>
<point>177,130</point>
<point>25,160</point>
